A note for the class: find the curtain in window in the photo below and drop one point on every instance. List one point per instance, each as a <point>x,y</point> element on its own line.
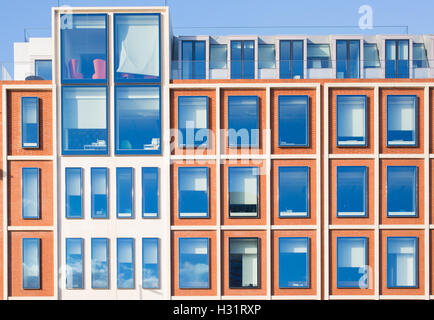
<point>402,256</point>
<point>351,116</point>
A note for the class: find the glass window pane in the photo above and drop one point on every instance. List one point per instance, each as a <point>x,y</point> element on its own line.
<point>243,59</point>
<point>243,191</point>
<point>30,193</point>
<point>401,191</point>
<point>318,56</point>
<point>243,263</point>
<point>218,56</point>
<point>125,263</point>
<point>293,262</point>
<point>243,121</point>
<point>193,192</point>
<point>187,59</point>
<point>402,262</point>
<point>74,263</point>
<point>267,56</point>
<point>397,63</point>
<point>31,263</point>
<point>297,59</point>
<point>351,262</point>
<point>150,194</point>
<point>371,56</point>
<point>285,59</point>
<point>401,121</point>
<point>30,122</point>
<point>43,69</point>
<point>293,121</point>
<point>351,118</point>
<point>100,263</point>
<point>99,190</point>
<point>341,59</point>
<point>150,268</point>
<point>192,121</point>
<point>354,58</point>
<point>73,193</point>
<point>420,59</point>
<point>193,263</point>
<point>124,192</point>
<point>351,193</point>
<point>248,59</point>
<point>293,192</point>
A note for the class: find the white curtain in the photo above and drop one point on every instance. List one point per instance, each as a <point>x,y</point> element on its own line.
<point>401,114</point>
<point>405,250</point>
<point>193,113</point>
<point>351,253</point>
<point>351,112</point>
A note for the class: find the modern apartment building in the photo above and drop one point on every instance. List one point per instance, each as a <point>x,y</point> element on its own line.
<point>142,165</point>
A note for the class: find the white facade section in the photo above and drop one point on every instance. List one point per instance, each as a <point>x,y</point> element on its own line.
<point>25,54</point>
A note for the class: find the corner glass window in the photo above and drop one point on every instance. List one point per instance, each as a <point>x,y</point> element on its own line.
<point>150,194</point>
<point>99,192</point>
<point>243,121</point>
<point>402,121</point>
<point>43,69</point>
<point>267,56</point>
<point>352,262</point>
<point>73,193</point>
<point>193,59</point>
<point>347,59</point>
<point>294,263</point>
<point>124,192</point>
<point>193,263</point>
<point>31,267</point>
<point>100,263</point>
<point>125,263</point>
<point>30,193</point>
<point>243,59</point>
<point>401,191</point>
<point>74,263</point>
<point>291,59</point>
<point>218,56</point>
<point>371,56</point>
<point>150,264</point>
<point>243,192</point>
<point>192,121</point>
<point>293,192</point>
<point>193,192</point>
<point>318,56</point>
<point>243,262</point>
<point>351,191</point>
<point>351,118</point>
<point>402,263</point>
<point>293,121</point>
<point>397,61</point>
<point>420,59</point>
<point>29,122</point>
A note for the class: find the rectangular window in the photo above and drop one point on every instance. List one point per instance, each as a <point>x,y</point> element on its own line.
<point>401,191</point>
<point>293,121</point>
<point>352,262</point>
<point>243,262</point>
<point>243,121</point>
<point>318,56</point>
<point>192,121</point>
<point>138,120</point>
<point>150,265</point>
<point>137,47</point>
<point>193,263</point>
<point>397,61</point>
<point>266,56</point>
<point>291,59</point>
<point>218,56</point>
<point>125,263</point>
<point>193,192</point>
<point>371,56</point>
<point>74,263</point>
<point>99,192</point>
<point>293,192</point>
<point>420,59</point>
<point>193,59</point>
<point>402,262</point>
<point>29,122</point>
<point>84,120</point>
<point>243,192</point>
<point>351,118</point>
<point>150,194</point>
<point>351,191</point>
<point>243,59</point>
<point>31,263</point>
<point>84,48</point>
<point>294,263</point>
<point>73,193</point>
<point>100,263</point>
<point>402,121</point>
<point>347,59</point>
<point>124,192</point>
<point>43,69</point>
<point>30,193</point>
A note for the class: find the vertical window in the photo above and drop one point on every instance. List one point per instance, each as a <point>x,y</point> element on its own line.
<point>218,56</point>
<point>100,263</point>
<point>243,262</point>
<point>351,193</point>
<point>30,122</point>
<point>193,263</point>
<point>30,193</point>
<point>420,59</point>
<point>138,120</point>
<point>293,121</point>
<point>99,191</point>
<point>402,121</point>
<point>193,121</point>
<point>293,192</point>
<point>137,47</point>
<point>150,194</point>
<point>125,264</point>
<point>397,64</point>
<point>43,69</point>
<point>193,192</point>
<point>291,59</point>
<point>124,192</point>
<point>266,56</point>
<point>347,59</point>
<point>318,56</point>
<point>31,263</point>
<point>351,118</point>
<point>73,193</point>
<point>371,56</point>
<point>351,262</point>
<point>150,267</point>
<point>84,47</point>
<point>84,120</point>
<point>401,191</point>
<point>74,263</point>
<point>243,191</point>
<point>193,59</point>
<point>243,59</point>
<point>294,263</point>
<point>402,262</point>
<point>243,121</point>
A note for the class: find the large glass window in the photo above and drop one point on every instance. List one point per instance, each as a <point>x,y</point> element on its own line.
<point>100,263</point>
<point>193,59</point>
<point>124,192</point>
<point>125,263</point>
<point>401,191</point>
<point>218,56</point>
<point>150,265</point>
<point>293,192</point>
<point>138,120</point>
<point>294,263</point>
<point>73,193</point>
<point>402,121</point>
<point>193,263</point>
<point>243,262</point>
<point>99,192</point>
<point>293,121</point>
<point>74,263</point>
<point>242,59</point>
<point>370,56</point>
<point>291,59</point>
<point>30,122</point>
<point>266,56</point>
<point>351,191</point>
<point>43,69</point>
<point>347,59</point>
<point>192,121</point>
<point>420,59</point>
<point>150,194</point>
<point>84,47</point>
<point>318,56</point>
<point>352,262</point>
<point>243,191</point>
<point>84,120</point>
<point>402,262</point>
<point>351,118</point>
<point>397,61</point>
<point>31,263</point>
<point>193,192</point>
<point>243,121</point>
<point>137,47</point>
<point>30,193</point>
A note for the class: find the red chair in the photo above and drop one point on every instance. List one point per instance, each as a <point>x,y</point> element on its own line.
<point>73,69</point>
<point>99,66</point>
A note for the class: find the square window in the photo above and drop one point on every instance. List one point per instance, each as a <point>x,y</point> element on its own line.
<point>402,121</point>
<point>99,192</point>
<point>243,262</point>
<point>43,69</point>
<point>293,262</point>
<point>74,263</point>
<point>193,201</point>
<point>351,191</point>
<point>293,192</point>
<point>243,121</point>
<point>150,194</point>
<point>150,264</point>
<point>402,191</point>
<point>30,193</point>
<point>125,263</point>
<point>351,121</point>
<point>73,193</point>
<point>243,192</point>
<point>402,263</point>
<point>193,263</point>
<point>293,121</point>
<point>193,121</point>
<point>100,263</point>
<point>30,122</point>
<point>124,192</point>
<point>31,266</point>
<point>352,262</point>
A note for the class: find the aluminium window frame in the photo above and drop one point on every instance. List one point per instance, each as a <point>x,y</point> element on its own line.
<point>307,170</point>
<point>158,262</point>
<point>66,193</point>
<point>82,247</point>
<point>308,138</point>
<point>132,216</point>
<point>250,145</point>
<point>208,260</point>
<point>416,261</point>
<point>242,60</point>
<point>366,247</point>
<point>347,69</point>
<point>416,194</point>
<point>195,144</point>
<point>308,260</point>
<point>133,262</point>
<point>258,192</point>
<point>365,191</point>
<point>23,240</point>
<point>37,122</point>
<point>107,241</point>
<point>365,144</point>
<point>258,258</point>
<point>291,59</point>
<point>194,75</point>
<point>416,115</point>
<point>107,182</point>
<point>38,170</point>
<point>396,71</point>
<point>146,215</point>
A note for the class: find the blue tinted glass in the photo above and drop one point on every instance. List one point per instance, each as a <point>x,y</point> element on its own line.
<point>243,191</point>
<point>30,193</point>
<point>351,118</point>
<point>347,58</point>
<point>391,58</point>
<point>401,191</point>
<point>218,56</point>
<point>100,272</point>
<point>266,56</point>
<point>243,121</point>
<point>354,58</point>
<point>420,59</point>
<point>150,192</point>
<point>351,262</point>
<point>125,263</point>
<point>397,58</point>
<point>351,191</point>
<point>293,262</point>
<point>31,263</point>
<point>193,192</point>
<point>370,56</point>
<point>193,263</point>
<point>293,121</point>
<point>403,60</point>
<point>150,268</point>
<point>243,262</point>
<point>74,263</point>
<point>243,59</point>
<point>285,59</point>
<point>293,192</point>
<point>297,59</point>
<point>236,60</point>
<point>192,121</point>
<point>29,122</point>
<point>43,69</point>
<point>124,192</point>
<point>402,262</point>
<point>341,59</point>
<point>401,120</point>
<point>318,56</point>
<point>193,59</point>
<point>248,59</point>
<point>73,193</point>
<point>99,191</point>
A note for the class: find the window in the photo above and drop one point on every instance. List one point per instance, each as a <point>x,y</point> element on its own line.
<point>402,262</point>
<point>318,56</point>
<point>193,263</point>
<point>150,268</point>
<point>401,191</point>
<point>351,118</point>
<point>243,262</point>
<point>347,59</point>
<point>397,52</point>
<point>293,121</point>
<point>351,193</point>
<point>420,59</point>
<point>73,193</point>
<point>29,122</point>
<point>352,262</point>
<point>218,56</point>
<point>402,121</point>
<point>30,193</point>
<point>138,120</point>
<point>243,121</point>
<point>243,59</point>
<point>193,192</point>
<point>99,191</point>
<point>137,47</point>
<point>84,120</point>
<point>74,263</point>
<point>84,47</point>
<point>125,264</point>
<point>294,263</point>
<point>291,59</point>
<point>371,56</point>
<point>31,263</point>
<point>43,69</point>
<point>100,263</point>
<point>243,192</point>
<point>150,194</point>
<point>193,59</point>
<point>267,56</point>
<point>192,121</point>
<point>293,192</point>
<point>124,192</point>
